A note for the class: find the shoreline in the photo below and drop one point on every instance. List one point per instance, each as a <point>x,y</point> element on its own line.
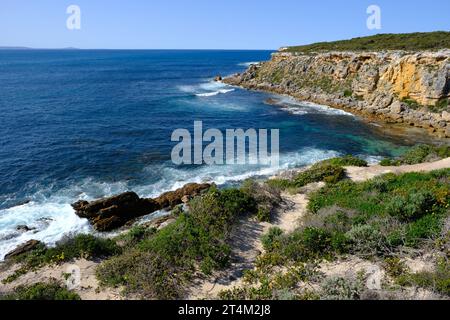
<point>393,127</point>
<point>395,87</point>
<point>286,218</point>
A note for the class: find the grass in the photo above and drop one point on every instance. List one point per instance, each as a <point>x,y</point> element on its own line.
<point>160,265</point>
<point>408,42</point>
<point>419,154</point>
<point>42,291</point>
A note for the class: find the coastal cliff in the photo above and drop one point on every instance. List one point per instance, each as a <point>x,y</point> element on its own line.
<point>395,86</point>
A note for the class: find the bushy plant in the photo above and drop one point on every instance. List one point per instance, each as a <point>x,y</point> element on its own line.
<point>271,239</point>
<point>345,161</point>
<point>419,154</point>
<point>42,291</point>
<point>325,172</point>
<point>341,289</point>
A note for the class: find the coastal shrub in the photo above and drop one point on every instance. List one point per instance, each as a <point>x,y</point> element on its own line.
<point>275,286</point>
<point>419,154</point>
<point>394,267</point>
<point>383,213</point>
<point>345,161</point>
<point>271,238</point>
<point>427,227</point>
<point>441,105</point>
<point>69,248</point>
<point>411,103</point>
<point>408,41</point>
<point>366,240</point>
<point>135,235</point>
<point>150,275</point>
<point>325,172</point>
<point>341,289</point>
<point>42,291</point>
<point>302,245</point>
<point>411,206</point>
<point>267,198</point>
<point>348,93</point>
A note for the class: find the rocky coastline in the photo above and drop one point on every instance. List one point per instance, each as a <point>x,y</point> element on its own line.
<point>392,86</point>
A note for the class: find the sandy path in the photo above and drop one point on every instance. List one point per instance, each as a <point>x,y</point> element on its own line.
<point>87,286</point>
<point>361,174</point>
<point>247,246</point>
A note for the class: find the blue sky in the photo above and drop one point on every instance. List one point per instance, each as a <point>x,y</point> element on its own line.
<point>208,24</point>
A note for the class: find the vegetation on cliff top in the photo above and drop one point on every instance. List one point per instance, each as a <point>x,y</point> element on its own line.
<point>376,220</point>
<point>419,154</point>
<point>406,41</point>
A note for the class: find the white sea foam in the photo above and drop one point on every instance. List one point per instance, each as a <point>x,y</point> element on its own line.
<point>53,217</point>
<point>50,220</point>
<point>207,89</point>
<point>297,107</point>
<point>247,64</point>
<point>214,93</point>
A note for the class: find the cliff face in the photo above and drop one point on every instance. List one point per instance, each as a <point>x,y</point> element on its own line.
<point>412,88</point>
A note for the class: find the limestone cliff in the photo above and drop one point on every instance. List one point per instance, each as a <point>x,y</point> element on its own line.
<point>397,86</point>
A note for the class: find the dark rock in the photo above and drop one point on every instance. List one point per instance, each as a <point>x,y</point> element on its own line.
<point>24,248</point>
<point>173,198</point>
<point>24,228</point>
<point>218,78</point>
<point>114,212</point>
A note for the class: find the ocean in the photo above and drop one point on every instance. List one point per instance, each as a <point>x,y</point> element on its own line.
<point>84,124</point>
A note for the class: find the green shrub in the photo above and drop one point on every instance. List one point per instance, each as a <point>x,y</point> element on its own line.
<point>425,228</point>
<point>419,154</point>
<point>406,41</point>
<point>395,267</point>
<point>366,240</point>
<point>412,206</point>
<point>42,291</point>
<point>325,172</point>
<point>267,198</point>
<point>80,246</point>
<point>386,212</point>
<point>341,289</point>
<point>345,161</point>
<point>145,273</point>
<point>271,239</point>
<point>348,93</point>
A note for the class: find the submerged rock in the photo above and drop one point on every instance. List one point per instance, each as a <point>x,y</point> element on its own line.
<point>114,212</point>
<point>24,248</point>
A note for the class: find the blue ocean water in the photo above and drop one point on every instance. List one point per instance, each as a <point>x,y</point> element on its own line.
<point>86,124</point>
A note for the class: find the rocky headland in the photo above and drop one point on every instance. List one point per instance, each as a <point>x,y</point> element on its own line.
<point>396,86</point>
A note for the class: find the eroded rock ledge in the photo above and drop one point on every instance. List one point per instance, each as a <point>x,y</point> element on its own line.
<point>395,86</point>
<point>114,212</point>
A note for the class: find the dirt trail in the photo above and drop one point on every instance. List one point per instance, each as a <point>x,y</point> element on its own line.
<point>87,288</point>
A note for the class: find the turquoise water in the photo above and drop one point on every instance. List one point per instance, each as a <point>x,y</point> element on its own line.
<point>87,124</point>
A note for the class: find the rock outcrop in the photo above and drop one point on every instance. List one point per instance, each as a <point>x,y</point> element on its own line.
<point>24,248</point>
<point>396,86</point>
<point>114,212</point>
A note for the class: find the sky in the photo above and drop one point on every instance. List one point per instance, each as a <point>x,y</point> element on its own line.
<point>209,24</point>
